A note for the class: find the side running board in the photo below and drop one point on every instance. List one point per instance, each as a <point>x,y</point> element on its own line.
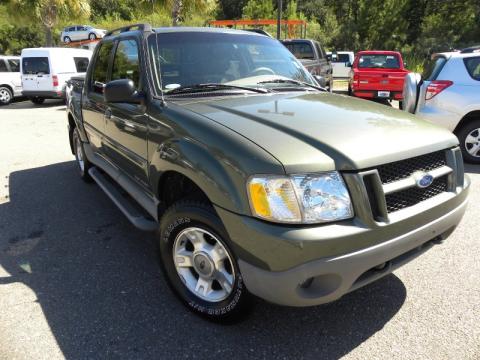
<point>124,202</point>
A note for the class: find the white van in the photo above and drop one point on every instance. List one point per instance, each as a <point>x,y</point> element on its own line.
<point>10,82</point>
<point>46,70</point>
<point>340,61</point>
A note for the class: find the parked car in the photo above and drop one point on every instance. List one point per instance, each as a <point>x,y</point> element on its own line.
<point>81,32</point>
<point>45,71</point>
<point>341,63</point>
<point>448,94</point>
<point>259,181</point>
<point>10,81</point>
<point>313,57</point>
<point>377,75</point>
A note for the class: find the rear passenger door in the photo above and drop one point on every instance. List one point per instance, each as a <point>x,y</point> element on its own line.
<point>126,124</point>
<point>93,103</point>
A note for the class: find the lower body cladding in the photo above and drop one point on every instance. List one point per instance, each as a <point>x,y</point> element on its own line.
<point>325,279</point>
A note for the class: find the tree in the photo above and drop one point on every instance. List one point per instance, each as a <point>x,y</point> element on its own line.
<point>230,9</point>
<point>47,12</point>
<point>259,9</point>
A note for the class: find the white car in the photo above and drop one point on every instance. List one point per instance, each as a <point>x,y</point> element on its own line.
<point>341,63</point>
<point>448,94</point>
<point>46,70</point>
<point>81,32</point>
<point>10,80</point>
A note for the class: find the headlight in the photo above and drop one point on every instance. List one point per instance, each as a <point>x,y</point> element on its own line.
<point>310,198</point>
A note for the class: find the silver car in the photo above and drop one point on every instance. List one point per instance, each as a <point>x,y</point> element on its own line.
<point>448,94</point>
<point>81,32</point>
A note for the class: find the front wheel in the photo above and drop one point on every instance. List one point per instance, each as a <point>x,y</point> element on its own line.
<point>400,105</point>
<point>350,92</point>
<point>6,95</point>
<point>199,264</point>
<point>92,36</point>
<point>469,138</point>
<point>67,40</point>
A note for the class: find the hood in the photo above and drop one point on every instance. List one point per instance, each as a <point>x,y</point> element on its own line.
<point>311,132</point>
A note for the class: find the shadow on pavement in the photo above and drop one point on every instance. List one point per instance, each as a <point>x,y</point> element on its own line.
<point>27,104</point>
<point>472,169</point>
<point>99,285</point>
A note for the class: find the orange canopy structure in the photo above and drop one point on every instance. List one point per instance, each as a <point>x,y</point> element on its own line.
<point>294,28</point>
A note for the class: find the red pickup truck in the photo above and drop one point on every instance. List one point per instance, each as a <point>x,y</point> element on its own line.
<point>377,74</point>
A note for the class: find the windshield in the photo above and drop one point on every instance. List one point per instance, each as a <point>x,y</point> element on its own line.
<point>183,59</point>
<point>379,61</point>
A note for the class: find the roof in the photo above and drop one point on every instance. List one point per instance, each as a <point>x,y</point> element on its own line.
<point>456,54</point>
<point>204,29</point>
<point>378,52</point>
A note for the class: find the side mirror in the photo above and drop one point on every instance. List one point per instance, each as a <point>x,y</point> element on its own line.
<point>348,64</point>
<point>122,91</point>
<point>404,64</point>
<point>320,80</point>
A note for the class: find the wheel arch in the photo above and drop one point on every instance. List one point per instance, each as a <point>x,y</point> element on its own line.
<point>472,115</point>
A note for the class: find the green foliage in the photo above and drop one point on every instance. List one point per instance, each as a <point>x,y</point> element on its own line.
<point>15,38</point>
<point>259,9</point>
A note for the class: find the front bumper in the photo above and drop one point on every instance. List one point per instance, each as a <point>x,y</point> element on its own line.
<point>328,279</point>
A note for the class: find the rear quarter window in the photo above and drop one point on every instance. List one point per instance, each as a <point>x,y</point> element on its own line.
<point>35,65</point>
<point>473,67</point>
<point>433,68</point>
<point>81,64</point>
<point>14,65</point>
<point>301,50</point>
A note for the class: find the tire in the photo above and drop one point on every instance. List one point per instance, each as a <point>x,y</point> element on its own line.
<point>92,36</point>
<point>330,86</point>
<point>400,105</point>
<point>37,100</point>
<point>67,40</point>
<point>82,162</point>
<point>183,224</point>
<point>350,93</point>
<point>469,138</point>
<point>6,95</point>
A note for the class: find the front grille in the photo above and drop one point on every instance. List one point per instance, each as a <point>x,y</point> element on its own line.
<point>403,169</point>
<point>412,196</point>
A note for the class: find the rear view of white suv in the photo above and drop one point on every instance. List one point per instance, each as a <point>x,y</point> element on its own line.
<point>448,94</point>
<point>10,81</point>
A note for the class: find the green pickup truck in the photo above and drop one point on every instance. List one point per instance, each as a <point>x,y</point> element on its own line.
<point>258,181</point>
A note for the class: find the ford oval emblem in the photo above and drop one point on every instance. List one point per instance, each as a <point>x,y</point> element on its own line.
<point>423,180</point>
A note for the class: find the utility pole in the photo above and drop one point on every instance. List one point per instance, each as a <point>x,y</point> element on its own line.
<point>279,18</point>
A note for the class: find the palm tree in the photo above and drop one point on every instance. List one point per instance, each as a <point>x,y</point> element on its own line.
<point>47,12</point>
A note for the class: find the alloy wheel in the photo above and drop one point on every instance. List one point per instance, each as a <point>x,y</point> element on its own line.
<point>203,264</point>
<point>5,96</point>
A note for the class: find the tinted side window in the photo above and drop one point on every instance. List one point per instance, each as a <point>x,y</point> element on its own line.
<point>14,65</point>
<point>71,28</point>
<point>81,63</point>
<point>100,71</point>
<point>35,65</point>
<point>125,63</point>
<point>473,67</point>
<point>3,66</point>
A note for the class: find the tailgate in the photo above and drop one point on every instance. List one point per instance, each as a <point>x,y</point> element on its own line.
<point>375,79</point>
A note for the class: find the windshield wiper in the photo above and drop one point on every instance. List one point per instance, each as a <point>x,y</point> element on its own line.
<point>212,87</point>
<point>291,81</point>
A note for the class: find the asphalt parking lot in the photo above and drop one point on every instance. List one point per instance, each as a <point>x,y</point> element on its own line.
<point>78,281</point>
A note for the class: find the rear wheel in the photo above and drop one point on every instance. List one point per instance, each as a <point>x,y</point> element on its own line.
<point>350,90</point>
<point>82,161</point>
<point>67,39</point>
<point>400,105</point>
<point>6,95</point>
<point>199,264</point>
<point>37,100</point>
<point>469,138</point>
